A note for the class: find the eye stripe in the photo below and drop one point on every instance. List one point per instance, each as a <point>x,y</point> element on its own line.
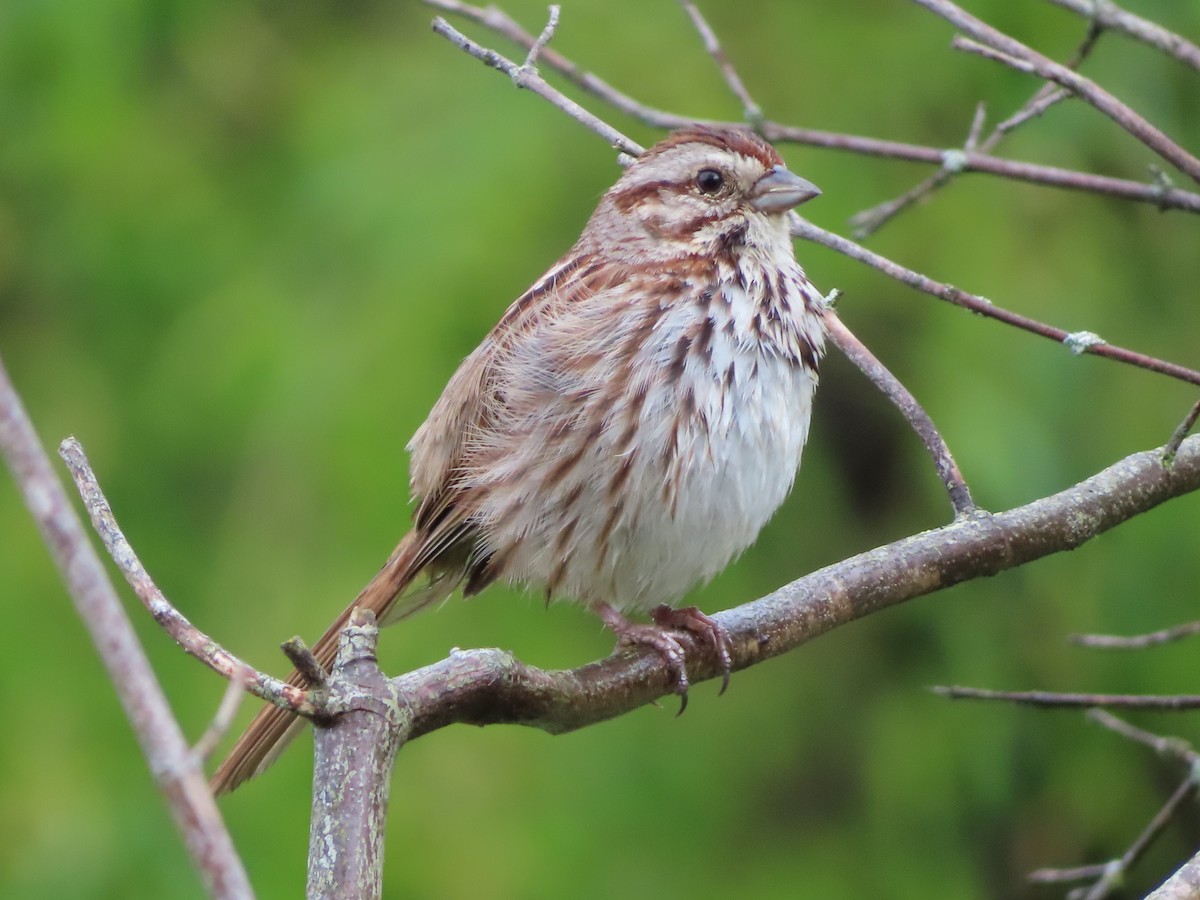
<point>629,197</point>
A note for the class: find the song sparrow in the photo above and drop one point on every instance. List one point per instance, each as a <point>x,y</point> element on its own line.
<point>630,424</point>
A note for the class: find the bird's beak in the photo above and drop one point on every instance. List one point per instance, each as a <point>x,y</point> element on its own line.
<point>779,190</point>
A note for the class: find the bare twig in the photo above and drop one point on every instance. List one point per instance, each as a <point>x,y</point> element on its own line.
<point>543,39</point>
<point>528,78</point>
<point>914,413</point>
<point>871,220</point>
<point>1052,699</point>
<point>802,228</point>
<point>1041,101</point>
<point>1181,432</point>
<point>172,764</point>
<point>498,21</point>
<point>1115,871</point>
<point>231,701</point>
<point>1161,196</point>
<point>751,110</point>
<point>1136,642</point>
<point>188,636</point>
<point>1007,49</point>
<point>962,161</point>
<point>1176,748</point>
<point>1061,876</point>
<point>1107,14</point>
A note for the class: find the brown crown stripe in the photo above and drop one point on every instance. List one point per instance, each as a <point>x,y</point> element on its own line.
<point>736,140</point>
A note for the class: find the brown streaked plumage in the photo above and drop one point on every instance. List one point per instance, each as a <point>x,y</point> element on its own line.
<point>631,422</point>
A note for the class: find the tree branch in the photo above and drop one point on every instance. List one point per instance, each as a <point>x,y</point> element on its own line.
<point>1009,50</point>
<point>1056,699</point>
<point>173,765</point>
<point>187,635</point>
<point>916,416</point>
<point>750,109</point>
<point>1136,642</point>
<point>526,76</point>
<point>1164,197</point>
<point>870,220</point>
<point>353,759</point>
<point>1077,342</point>
<point>490,686</point>
<point>1183,885</point>
<point>1107,14</point>
<point>482,687</point>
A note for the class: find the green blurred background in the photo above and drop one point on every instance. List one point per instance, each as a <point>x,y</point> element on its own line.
<point>242,247</point>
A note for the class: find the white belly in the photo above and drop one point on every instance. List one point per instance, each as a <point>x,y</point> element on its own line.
<point>642,519</point>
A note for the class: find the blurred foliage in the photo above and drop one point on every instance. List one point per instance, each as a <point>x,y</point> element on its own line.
<point>243,245</point>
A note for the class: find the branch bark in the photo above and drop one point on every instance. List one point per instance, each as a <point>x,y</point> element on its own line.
<point>353,758</point>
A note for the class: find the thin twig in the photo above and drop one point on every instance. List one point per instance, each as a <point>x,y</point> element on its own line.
<point>529,79</point>
<point>1042,100</point>
<point>1052,699</point>
<point>1114,873</point>
<point>498,21</point>
<point>1060,876</point>
<point>962,161</point>
<point>1176,748</point>
<point>1107,14</point>
<point>171,762</point>
<point>1010,51</point>
<point>231,701</point>
<point>543,39</point>
<point>871,220</point>
<point>188,636</point>
<point>1161,196</point>
<point>868,221</point>
<point>1073,340</point>
<point>1136,642</point>
<point>751,110</point>
<point>1181,432</point>
<point>920,422</point>
<point>977,121</point>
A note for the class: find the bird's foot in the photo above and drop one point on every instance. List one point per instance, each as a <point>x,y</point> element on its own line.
<point>689,618</point>
<point>659,637</point>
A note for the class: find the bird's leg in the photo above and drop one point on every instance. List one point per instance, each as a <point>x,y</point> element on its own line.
<point>659,636</point>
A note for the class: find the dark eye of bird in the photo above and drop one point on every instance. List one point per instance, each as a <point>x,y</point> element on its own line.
<point>710,181</point>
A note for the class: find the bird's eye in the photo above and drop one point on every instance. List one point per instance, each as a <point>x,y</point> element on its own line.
<point>710,181</point>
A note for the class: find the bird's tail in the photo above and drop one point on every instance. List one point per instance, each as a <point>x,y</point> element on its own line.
<point>272,729</point>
